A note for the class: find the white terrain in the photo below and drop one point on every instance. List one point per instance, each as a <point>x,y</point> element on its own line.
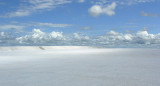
<point>79,66</point>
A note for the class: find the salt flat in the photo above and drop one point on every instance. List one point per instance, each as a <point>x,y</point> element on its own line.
<point>79,66</point>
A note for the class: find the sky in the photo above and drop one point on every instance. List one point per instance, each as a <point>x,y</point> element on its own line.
<point>109,23</point>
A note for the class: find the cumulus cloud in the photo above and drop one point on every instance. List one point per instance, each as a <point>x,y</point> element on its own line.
<point>39,37</point>
<point>141,37</point>
<point>80,37</point>
<point>7,39</point>
<point>148,14</point>
<point>56,35</point>
<point>35,6</point>
<point>97,10</point>
<point>1,34</point>
<point>111,38</point>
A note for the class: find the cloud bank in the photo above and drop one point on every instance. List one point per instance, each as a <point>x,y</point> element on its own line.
<point>141,37</point>
<point>39,37</point>
<point>110,39</point>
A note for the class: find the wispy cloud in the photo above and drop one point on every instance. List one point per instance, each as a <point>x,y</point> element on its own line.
<point>35,6</point>
<point>81,1</point>
<point>19,25</point>
<point>85,28</point>
<point>148,14</point>
<point>52,25</point>
<point>122,2</point>
<point>10,26</point>
<point>131,2</point>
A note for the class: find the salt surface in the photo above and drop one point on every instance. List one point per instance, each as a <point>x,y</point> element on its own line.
<point>79,66</point>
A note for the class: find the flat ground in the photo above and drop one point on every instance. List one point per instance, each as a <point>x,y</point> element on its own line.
<point>80,66</point>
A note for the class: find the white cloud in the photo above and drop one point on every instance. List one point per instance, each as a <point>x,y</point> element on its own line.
<point>35,6</point>
<point>2,34</point>
<point>54,38</point>
<point>39,37</point>
<point>56,35</point>
<point>143,1</point>
<point>141,37</point>
<point>38,34</point>
<point>122,2</point>
<point>80,37</point>
<point>85,28</point>
<point>53,25</point>
<point>20,26</point>
<point>97,10</point>
<point>7,39</point>
<point>111,38</point>
<point>81,1</point>
<point>128,37</point>
<point>6,27</point>
<point>149,14</point>
<point>131,2</point>
<point>114,36</point>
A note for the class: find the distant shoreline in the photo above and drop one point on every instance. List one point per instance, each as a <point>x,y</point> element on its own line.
<point>41,47</point>
<point>6,48</point>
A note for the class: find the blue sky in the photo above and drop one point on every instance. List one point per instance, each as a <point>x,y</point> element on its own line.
<point>87,18</point>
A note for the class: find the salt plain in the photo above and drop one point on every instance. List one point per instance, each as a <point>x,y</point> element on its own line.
<point>79,66</point>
